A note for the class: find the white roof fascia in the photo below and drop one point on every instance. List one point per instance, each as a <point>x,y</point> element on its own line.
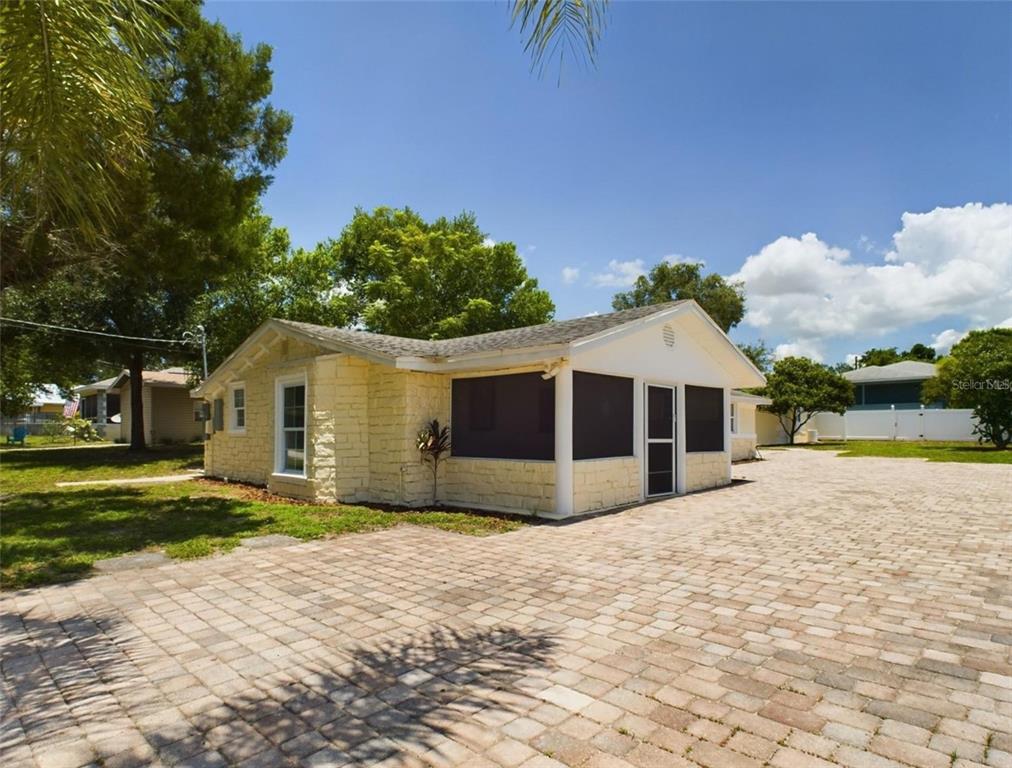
<point>503,358</point>
<point>626,328</point>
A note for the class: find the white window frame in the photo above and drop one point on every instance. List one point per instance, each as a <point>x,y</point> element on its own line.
<point>233,426</point>
<point>279,424</point>
<point>733,410</point>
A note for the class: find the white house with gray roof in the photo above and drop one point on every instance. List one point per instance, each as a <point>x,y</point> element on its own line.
<point>556,419</point>
<point>878,387</point>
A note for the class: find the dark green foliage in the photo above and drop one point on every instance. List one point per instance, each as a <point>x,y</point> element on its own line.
<point>801,388</point>
<point>724,302</point>
<point>759,353</point>
<point>438,280</point>
<point>890,355</point>
<point>977,374</point>
<point>276,282</point>
<point>178,232</point>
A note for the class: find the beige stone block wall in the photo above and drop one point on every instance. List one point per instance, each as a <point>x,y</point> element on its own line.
<point>706,470</point>
<point>427,397</point>
<point>742,448</point>
<point>338,428</point>
<point>249,456</point>
<point>400,403</point>
<point>605,483</point>
<point>500,484</point>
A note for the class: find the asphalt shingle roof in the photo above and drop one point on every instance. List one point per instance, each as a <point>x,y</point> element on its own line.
<point>905,370</point>
<point>547,334</point>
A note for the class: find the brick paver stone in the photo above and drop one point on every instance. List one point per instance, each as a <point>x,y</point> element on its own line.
<point>832,612</point>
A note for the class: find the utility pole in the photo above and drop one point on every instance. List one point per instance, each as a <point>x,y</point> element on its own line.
<point>199,335</point>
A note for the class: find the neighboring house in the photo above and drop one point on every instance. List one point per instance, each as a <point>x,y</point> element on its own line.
<point>878,387</point>
<point>99,403</point>
<point>743,424</point>
<point>555,419</point>
<point>47,406</point>
<point>169,415</point>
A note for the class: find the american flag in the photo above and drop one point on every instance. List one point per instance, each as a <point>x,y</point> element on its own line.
<point>70,409</point>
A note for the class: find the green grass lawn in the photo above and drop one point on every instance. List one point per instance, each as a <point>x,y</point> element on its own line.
<point>42,441</point>
<point>917,449</point>
<point>52,534</point>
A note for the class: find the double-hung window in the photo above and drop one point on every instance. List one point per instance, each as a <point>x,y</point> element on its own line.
<point>291,426</point>
<point>237,417</point>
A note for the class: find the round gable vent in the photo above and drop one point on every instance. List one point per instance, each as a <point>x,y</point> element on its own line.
<point>669,335</point>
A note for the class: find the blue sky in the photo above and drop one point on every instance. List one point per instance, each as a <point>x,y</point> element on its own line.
<point>716,132</point>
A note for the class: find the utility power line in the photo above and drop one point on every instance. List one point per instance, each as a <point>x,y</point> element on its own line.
<point>66,329</point>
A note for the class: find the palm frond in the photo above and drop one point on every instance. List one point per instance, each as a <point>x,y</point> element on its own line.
<point>555,27</point>
<point>77,110</point>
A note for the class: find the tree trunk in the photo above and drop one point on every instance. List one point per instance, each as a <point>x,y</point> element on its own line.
<point>137,401</point>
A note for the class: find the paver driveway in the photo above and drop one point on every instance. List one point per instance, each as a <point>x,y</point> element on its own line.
<point>855,612</point>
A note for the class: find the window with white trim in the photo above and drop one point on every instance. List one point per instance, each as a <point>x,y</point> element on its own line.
<point>734,418</point>
<point>291,426</point>
<point>237,409</point>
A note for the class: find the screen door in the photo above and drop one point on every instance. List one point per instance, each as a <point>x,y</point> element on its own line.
<point>660,433</point>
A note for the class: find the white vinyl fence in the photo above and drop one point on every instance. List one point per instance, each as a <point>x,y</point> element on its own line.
<point>923,424</point>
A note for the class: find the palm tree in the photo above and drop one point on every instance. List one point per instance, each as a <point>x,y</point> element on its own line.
<point>555,27</point>
<point>76,95</point>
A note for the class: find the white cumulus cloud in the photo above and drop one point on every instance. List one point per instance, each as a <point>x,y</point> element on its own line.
<point>946,262</point>
<point>945,340</point>
<point>620,274</point>
<point>678,258</point>
<point>800,348</point>
<point>570,275</point>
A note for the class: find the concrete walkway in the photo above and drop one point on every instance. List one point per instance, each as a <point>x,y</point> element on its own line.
<point>135,480</point>
<point>834,612</point>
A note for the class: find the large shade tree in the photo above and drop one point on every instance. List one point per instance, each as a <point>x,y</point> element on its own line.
<point>722,300</point>
<point>389,272</point>
<point>432,280</point>
<point>178,230</point>
<point>277,282</point>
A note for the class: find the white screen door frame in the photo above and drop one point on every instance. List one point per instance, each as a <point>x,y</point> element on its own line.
<point>659,456</point>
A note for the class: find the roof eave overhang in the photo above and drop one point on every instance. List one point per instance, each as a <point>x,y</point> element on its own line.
<point>755,399</point>
<point>504,358</point>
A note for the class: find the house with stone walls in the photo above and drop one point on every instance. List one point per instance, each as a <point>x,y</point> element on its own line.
<point>555,420</point>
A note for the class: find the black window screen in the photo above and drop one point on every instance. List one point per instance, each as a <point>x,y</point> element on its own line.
<point>704,419</point>
<point>89,407</point>
<point>602,416</point>
<point>503,417</point>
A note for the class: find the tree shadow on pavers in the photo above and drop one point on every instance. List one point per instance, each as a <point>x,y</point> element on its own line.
<point>58,679</point>
<point>77,682</point>
<point>420,690</point>
<point>57,535</point>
